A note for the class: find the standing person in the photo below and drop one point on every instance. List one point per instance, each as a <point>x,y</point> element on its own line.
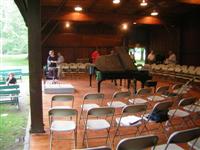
<point>171,58</point>
<point>11,79</point>
<point>151,57</point>
<point>52,65</point>
<point>95,54</point>
<point>60,61</point>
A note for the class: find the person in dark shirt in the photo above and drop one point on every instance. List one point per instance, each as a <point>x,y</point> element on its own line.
<point>11,79</point>
<point>52,64</point>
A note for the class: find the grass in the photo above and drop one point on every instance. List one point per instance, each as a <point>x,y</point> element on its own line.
<point>14,60</point>
<point>12,127</point>
<point>13,122</point>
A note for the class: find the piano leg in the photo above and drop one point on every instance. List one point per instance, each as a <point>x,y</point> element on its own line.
<point>134,86</point>
<point>90,80</point>
<point>99,86</point>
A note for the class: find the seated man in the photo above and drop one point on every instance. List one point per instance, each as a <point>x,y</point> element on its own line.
<point>52,65</point>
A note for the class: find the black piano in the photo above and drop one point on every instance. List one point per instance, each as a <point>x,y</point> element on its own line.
<point>118,66</point>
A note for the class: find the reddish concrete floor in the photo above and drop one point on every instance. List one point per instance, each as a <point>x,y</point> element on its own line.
<point>81,84</point>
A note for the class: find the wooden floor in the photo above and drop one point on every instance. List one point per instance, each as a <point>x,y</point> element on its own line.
<point>81,84</point>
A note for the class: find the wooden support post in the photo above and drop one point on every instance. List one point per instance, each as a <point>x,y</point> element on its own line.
<point>35,67</point>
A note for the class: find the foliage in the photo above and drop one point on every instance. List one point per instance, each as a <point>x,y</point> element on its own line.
<point>14,60</point>
<point>13,36</point>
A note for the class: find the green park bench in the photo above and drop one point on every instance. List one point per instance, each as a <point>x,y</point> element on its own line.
<point>9,94</point>
<point>4,73</point>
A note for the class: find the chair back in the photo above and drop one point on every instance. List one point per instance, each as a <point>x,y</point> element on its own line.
<point>187,101</point>
<point>134,108</point>
<point>177,86</point>
<point>162,105</point>
<point>137,143</point>
<point>93,96</point>
<point>101,111</point>
<point>62,112</point>
<point>144,91</point>
<point>121,94</point>
<point>162,89</point>
<point>184,136</point>
<point>62,98</point>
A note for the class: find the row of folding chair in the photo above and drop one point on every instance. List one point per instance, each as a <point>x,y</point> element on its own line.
<point>74,67</point>
<point>126,119</point>
<point>172,70</point>
<point>151,141</point>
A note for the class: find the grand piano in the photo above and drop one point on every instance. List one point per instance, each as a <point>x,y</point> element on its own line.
<point>118,66</point>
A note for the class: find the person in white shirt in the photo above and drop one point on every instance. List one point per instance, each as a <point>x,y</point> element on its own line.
<point>151,57</point>
<point>171,59</point>
<point>60,61</point>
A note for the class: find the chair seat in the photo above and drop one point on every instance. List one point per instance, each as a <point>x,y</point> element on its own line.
<point>178,113</point>
<point>129,121</point>
<point>155,98</point>
<point>97,124</point>
<point>170,147</point>
<point>87,107</point>
<point>192,108</point>
<point>138,101</point>
<point>116,104</point>
<point>63,125</point>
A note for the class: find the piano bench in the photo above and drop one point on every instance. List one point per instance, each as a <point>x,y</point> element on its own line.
<point>151,83</point>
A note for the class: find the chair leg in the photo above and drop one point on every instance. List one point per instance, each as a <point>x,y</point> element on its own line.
<point>51,138</point>
<point>75,138</point>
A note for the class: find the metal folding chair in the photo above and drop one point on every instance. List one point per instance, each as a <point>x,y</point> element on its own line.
<point>63,120</point>
<point>62,101</point>
<point>118,98</point>
<point>90,100</point>
<point>140,97</point>
<point>138,143</point>
<point>131,117</point>
<point>179,112</point>
<point>182,136</point>
<point>159,107</point>
<point>160,94</point>
<point>98,119</point>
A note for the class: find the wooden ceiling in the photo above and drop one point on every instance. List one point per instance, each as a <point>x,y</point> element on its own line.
<point>107,12</point>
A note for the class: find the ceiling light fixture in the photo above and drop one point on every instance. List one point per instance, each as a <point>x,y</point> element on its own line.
<point>116,1</point>
<point>78,8</point>
<point>67,24</point>
<point>154,13</point>
<point>124,26</point>
<point>134,22</point>
<point>143,3</point>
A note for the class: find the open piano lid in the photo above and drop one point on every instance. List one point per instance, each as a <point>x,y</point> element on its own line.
<point>120,61</point>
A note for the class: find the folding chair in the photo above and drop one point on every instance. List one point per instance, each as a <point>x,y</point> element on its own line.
<point>179,112</point>
<point>138,143</point>
<point>98,119</point>
<point>160,94</point>
<point>117,99</point>
<point>90,100</point>
<point>64,100</point>
<point>129,119</point>
<point>139,97</point>
<point>63,120</point>
<point>182,136</point>
<point>159,107</point>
